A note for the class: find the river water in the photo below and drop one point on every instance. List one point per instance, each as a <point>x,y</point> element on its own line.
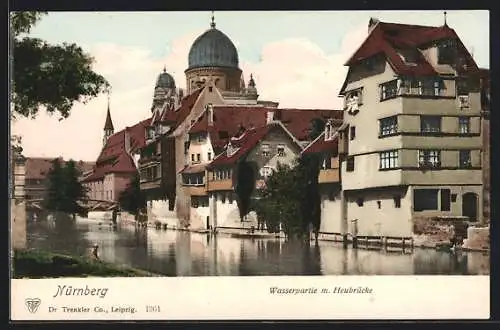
<point>178,253</point>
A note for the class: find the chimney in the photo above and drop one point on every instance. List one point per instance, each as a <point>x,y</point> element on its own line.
<point>210,114</point>
<point>127,140</point>
<point>270,116</point>
<point>372,23</point>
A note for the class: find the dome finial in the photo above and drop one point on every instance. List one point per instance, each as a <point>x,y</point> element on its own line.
<point>212,24</point>
<point>445,23</point>
<point>164,68</point>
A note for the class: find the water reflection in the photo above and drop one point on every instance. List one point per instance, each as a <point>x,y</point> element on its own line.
<point>176,253</point>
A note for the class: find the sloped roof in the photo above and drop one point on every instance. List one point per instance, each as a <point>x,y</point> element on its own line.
<point>228,120</point>
<point>37,168</point>
<point>246,142</point>
<point>388,38</point>
<point>177,116</point>
<point>113,157</point>
<point>320,145</point>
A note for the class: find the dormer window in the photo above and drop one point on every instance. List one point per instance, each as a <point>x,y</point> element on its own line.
<point>353,100</point>
<point>447,51</point>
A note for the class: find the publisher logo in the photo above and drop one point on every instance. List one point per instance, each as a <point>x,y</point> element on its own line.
<point>32,304</point>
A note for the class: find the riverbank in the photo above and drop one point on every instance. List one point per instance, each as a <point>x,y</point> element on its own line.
<point>43,264</point>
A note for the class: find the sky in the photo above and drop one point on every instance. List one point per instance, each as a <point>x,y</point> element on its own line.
<point>297,58</point>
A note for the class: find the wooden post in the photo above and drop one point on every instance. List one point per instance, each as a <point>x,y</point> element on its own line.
<point>403,244</point>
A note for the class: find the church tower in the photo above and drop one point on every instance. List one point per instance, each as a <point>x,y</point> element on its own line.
<point>108,126</point>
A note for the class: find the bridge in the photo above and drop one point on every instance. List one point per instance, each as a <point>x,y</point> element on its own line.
<point>89,205</point>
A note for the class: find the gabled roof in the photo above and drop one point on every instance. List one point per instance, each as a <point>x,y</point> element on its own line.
<point>114,158</point>
<point>390,38</point>
<point>246,142</point>
<point>115,144</point>
<point>177,116</point>
<point>229,119</point>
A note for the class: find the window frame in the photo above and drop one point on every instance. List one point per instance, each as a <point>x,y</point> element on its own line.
<point>467,163</point>
<point>384,90</point>
<point>389,160</point>
<point>429,119</point>
<point>429,158</point>
<point>350,164</point>
<point>461,121</point>
<point>388,126</point>
<point>282,152</point>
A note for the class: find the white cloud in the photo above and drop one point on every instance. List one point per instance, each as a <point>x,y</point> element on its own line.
<point>295,72</point>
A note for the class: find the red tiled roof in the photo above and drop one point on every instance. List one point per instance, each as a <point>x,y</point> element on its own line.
<point>320,145</point>
<point>244,145</point>
<point>230,119</point>
<point>37,168</point>
<point>113,157</point>
<point>178,115</point>
<point>387,38</point>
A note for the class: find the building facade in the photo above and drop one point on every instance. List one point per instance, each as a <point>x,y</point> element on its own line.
<point>186,133</point>
<point>333,207</point>
<point>413,116</point>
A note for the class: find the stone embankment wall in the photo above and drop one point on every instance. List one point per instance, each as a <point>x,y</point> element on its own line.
<point>432,232</point>
<point>478,238</point>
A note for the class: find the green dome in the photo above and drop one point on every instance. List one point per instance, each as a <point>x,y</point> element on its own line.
<point>213,48</point>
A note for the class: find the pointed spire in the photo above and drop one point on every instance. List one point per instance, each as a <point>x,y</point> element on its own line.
<point>108,125</point>
<point>212,24</point>
<point>445,23</point>
<point>251,82</point>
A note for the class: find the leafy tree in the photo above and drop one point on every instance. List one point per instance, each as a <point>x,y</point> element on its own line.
<point>132,199</point>
<point>244,187</point>
<point>55,195</point>
<point>65,190</point>
<point>48,76</point>
<point>280,202</point>
<point>291,199</point>
<point>74,190</point>
<point>308,171</point>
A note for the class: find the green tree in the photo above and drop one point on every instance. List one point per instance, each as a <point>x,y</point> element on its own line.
<point>291,199</point>
<point>132,199</point>
<point>310,200</point>
<point>245,186</point>
<point>48,76</point>
<point>65,191</point>
<point>280,202</point>
<point>55,192</point>
<point>74,191</point>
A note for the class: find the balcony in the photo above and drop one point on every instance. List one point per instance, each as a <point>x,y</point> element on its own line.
<point>330,175</point>
<point>216,185</point>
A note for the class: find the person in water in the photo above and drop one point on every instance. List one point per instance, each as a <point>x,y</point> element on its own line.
<point>94,251</point>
